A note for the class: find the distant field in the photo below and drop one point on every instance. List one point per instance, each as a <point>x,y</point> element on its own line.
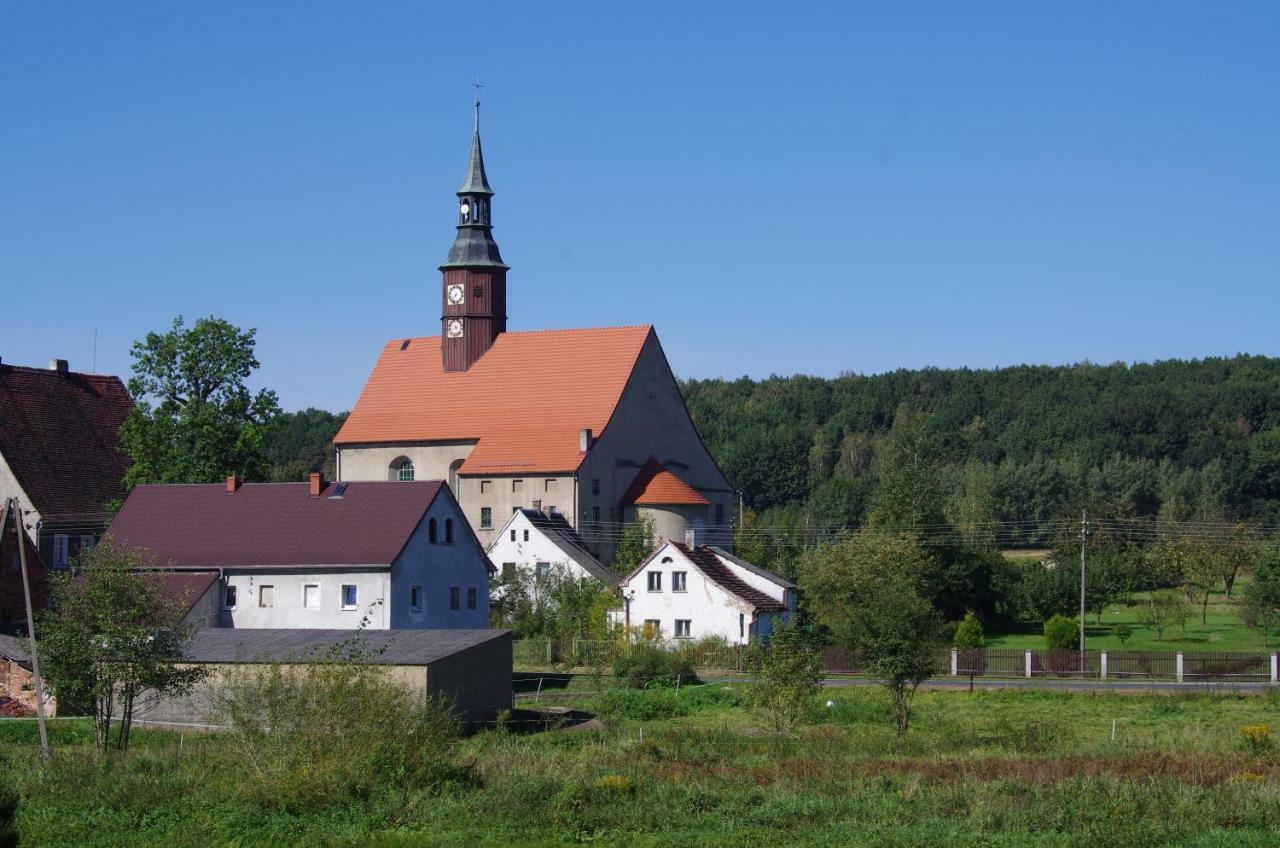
<point>656,769</point>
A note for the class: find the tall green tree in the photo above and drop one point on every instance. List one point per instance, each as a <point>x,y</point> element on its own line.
<point>195,419</point>
<point>908,464</point>
<point>1261,607</point>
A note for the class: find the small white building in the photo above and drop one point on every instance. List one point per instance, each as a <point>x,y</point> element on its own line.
<point>693,591</point>
<point>318,555</point>
<point>533,542</point>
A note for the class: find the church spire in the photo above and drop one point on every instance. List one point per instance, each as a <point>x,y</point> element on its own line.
<point>476,182</point>
<point>474,245</point>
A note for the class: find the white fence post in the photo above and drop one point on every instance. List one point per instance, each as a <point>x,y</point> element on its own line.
<point>1275,668</point>
<point>1028,663</point>
<point>1104,665</point>
<point>955,662</point>
<point>1179,666</point>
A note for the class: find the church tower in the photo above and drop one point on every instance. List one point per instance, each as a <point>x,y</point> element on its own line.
<point>474,294</point>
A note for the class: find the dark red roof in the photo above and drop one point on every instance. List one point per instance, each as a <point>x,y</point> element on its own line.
<point>59,432</point>
<point>201,525</point>
<point>188,587</point>
<point>709,564</point>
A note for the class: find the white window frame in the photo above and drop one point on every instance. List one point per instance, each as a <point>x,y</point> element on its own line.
<point>486,518</point>
<point>679,581</point>
<point>415,598</point>
<point>61,550</point>
<point>342,597</point>
<point>654,583</point>
<point>305,587</point>
<point>688,628</point>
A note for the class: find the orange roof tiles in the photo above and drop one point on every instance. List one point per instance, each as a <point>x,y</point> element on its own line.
<point>656,485</point>
<point>523,403</point>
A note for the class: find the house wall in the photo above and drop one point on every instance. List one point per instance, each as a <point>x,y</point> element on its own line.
<point>650,420</point>
<point>287,611</point>
<point>526,555</point>
<point>710,609</point>
<point>506,493</point>
<point>18,683</point>
<point>436,568</point>
<point>763,584</point>
<point>207,610</point>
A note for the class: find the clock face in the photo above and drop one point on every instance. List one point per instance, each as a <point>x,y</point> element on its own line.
<point>455,328</point>
<point>455,294</point>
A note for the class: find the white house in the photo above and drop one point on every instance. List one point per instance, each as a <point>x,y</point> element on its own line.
<point>318,554</point>
<point>533,542</point>
<point>691,591</point>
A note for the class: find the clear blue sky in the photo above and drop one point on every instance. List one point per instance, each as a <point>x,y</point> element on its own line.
<point>783,188</point>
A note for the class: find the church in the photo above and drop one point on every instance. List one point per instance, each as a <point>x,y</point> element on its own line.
<point>588,424</point>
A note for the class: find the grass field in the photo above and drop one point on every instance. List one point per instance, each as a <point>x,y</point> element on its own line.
<point>654,769</point>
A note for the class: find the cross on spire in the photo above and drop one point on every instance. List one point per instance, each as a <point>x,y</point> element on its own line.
<point>477,85</point>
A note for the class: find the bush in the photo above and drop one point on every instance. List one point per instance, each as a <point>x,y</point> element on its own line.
<point>1062,633</point>
<point>648,666</point>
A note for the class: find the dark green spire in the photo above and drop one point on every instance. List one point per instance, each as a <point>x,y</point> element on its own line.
<point>474,246</point>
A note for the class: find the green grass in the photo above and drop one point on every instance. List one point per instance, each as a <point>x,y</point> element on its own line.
<point>1224,630</point>
<point>990,768</point>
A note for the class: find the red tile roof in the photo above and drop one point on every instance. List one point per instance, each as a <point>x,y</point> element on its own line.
<point>709,564</point>
<point>59,433</point>
<point>523,403</point>
<point>202,525</point>
<point>656,485</point>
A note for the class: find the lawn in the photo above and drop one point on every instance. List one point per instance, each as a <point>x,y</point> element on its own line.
<point>1224,630</point>
<point>995,768</point>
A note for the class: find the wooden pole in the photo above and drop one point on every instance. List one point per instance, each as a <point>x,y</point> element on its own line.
<point>31,628</point>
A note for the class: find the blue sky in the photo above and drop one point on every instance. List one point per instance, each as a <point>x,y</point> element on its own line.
<point>789,188</point>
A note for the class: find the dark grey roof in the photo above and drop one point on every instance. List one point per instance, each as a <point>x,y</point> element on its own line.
<point>383,647</point>
<point>556,528</point>
<point>754,569</point>
<point>476,182</point>
<point>16,648</point>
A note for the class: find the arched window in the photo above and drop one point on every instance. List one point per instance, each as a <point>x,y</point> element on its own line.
<point>666,560</point>
<point>401,470</point>
<point>431,531</point>
<point>448,531</point>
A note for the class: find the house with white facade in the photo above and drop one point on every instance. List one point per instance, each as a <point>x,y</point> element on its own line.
<point>533,542</point>
<point>687,591</point>
<point>315,555</point>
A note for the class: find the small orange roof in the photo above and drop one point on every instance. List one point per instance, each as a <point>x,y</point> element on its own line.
<point>656,485</point>
<point>523,403</point>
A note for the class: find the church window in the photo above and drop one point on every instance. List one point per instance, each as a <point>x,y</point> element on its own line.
<point>486,518</point>
<point>402,470</point>
<point>431,531</point>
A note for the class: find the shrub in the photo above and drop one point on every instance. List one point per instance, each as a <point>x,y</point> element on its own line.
<point>1061,633</point>
<point>1123,632</point>
<point>788,672</point>
<point>648,666</point>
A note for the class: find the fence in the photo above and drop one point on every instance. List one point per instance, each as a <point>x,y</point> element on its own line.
<point>588,653</point>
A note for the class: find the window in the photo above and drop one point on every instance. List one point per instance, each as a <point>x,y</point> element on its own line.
<point>266,596</point>
<point>448,531</point>
<point>415,598</point>
<point>431,531</point>
<point>595,487</point>
<point>719,513</point>
<point>742,625</point>
<point>678,579</point>
<point>486,518</point>
<point>683,626</point>
<point>526,535</point>
<point>485,486</point>
<point>655,581</point>
<point>350,596</point>
<point>550,485</point>
<point>86,544</point>
<point>508,570</point>
<point>595,515</point>
<point>229,597</point>
<point>471,597</point>
<point>652,627</point>
<point>542,569</point>
<point>455,597</point>
<point>402,470</point>
<point>513,534</point>
<point>517,485</point>
<point>60,552</point>
<point>311,596</point>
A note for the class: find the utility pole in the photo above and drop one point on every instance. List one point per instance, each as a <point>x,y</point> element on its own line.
<point>31,628</point>
<point>1084,534</point>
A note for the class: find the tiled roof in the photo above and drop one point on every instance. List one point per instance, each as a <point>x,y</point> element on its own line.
<point>561,534</point>
<point>188,586</point>
<point>385,647</point>
<point>656,485</point>
<point>523,403</point>
<point>705,559</point>
<point>59,433</point>
<point>16,648</point>
<point>273,524</point>
<point>754,569</point>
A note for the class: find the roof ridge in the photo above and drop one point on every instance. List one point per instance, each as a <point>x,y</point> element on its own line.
<point>402,339</point>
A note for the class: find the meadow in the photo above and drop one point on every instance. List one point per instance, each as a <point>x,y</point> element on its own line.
<point>989,768</point>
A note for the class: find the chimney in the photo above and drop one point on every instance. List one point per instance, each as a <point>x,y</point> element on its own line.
<point>691,537</point>
<point>584,439</point>
<point>233,482</point>
<point>317,483</point>
<point>59,365</point>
